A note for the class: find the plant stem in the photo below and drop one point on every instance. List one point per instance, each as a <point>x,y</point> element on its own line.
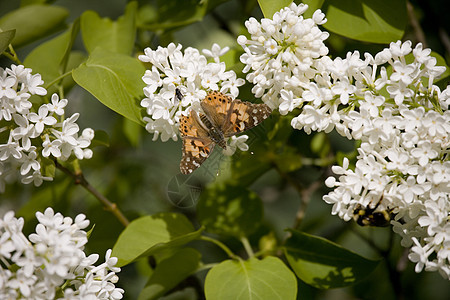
<point>12,55</point>
<point>221,245</point>
<point>247,246</point>
<point>60,77</point>
<point>418,32</point>
<point>108,205</point>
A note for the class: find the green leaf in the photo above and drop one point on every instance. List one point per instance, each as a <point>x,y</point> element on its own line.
<point>101,138</point>
<point>116,36</point>
<point>269,7</point>
<point>148,234</point>
<point>324,264</point>
<point>90,231</point>
<point>440,61</point>
<point>381,21</point>
<point>230,210</point>
<point>268,278</point>
<point>54,57</point>
<point>115,80</point>
<point>169,272</point>
<point>33,22</point>
<point>5,39</point>
<point>167,14</point>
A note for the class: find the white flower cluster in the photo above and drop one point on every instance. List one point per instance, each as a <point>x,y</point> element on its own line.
<point>403,122</point>
<point>51,264</point>
<point>389,102</point>
<point>281,54</point>
<point>403,157</point>
<point>178,81</point>
<point>29,133</point>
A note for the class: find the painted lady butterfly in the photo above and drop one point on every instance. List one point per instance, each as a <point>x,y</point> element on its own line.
<point>223,117</point>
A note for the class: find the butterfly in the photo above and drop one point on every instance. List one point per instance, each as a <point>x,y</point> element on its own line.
<point>223,117</point>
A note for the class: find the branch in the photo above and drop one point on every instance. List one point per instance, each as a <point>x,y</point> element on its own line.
<point>418,32</point>
<point>304,193</point>
<point>108,205</point>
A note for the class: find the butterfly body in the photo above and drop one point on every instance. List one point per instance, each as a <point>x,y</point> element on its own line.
<point>214,133</point>
<point>223,117</point>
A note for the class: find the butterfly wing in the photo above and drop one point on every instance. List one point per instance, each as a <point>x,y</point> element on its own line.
<point>216,106</point>
<point>233,116</point>
<point>243,116</point>
<point>195,152</point>
<point>196,143</point>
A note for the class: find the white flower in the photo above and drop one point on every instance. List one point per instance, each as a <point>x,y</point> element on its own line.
<point>27,122</point>
<point>289,102</point>
<point>111,262</point>
<point>10,149</point>
<point>186,73</point>
<point>36,178</point>
<point>29,162</point>
<point>235,143</point>
<point>22,282</point>
<point>281,52</point>
<point>404,137</point>
<point>57,105</point>
<point>402,72</point>
<point>33,82</point>
<point>424,152</point>
<point>41,119</point>
<point>6,86</point>
<point>25,131</point>
<point>344,89</point>
<point>216,52</point>
<point>52,148</point>
<point>51,259</point>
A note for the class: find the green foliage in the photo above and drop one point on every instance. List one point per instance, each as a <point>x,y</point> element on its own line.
<point>120,78</point>
<point>268,278</point>
<point>270,7</point>
<point>29,27</point>
<point>167,14</point>
<point>55,57</point>
<point>147,235</point>
<point>229,209</point>
<point>365,20</point>
<point>115,37</point>
<point>5,39</point>
<point>324,264</point>
<point>440,61</point>
<point>170,271</point>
